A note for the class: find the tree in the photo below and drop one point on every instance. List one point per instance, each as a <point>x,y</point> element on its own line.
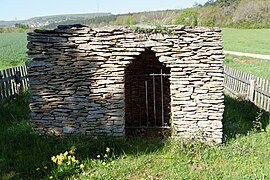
<point>187,16</point>
<point>125,20</point>
<point>21,26</point>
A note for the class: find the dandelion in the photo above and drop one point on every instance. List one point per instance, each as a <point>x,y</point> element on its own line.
<point>108,150</point>
<point>45,167</point>
<point>50,177</point>
<point>98,156</point>
<point>81,166</point>
<point>38,169</point>
<point>104,163</point>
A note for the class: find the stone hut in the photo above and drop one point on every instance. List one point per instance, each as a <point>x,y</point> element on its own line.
<point>108,80</point>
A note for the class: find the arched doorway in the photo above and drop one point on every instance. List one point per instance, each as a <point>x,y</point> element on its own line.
<point>147,93</point>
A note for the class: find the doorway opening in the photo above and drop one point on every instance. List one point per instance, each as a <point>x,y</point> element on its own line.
<point>147,93</point>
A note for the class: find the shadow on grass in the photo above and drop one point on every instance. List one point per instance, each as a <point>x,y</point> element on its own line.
<point>241,117</point>
<point>22,150</point>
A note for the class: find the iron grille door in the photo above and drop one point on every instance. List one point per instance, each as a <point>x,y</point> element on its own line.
<point>147,100</point>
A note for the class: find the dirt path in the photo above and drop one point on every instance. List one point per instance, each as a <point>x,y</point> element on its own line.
<point>259,56</point>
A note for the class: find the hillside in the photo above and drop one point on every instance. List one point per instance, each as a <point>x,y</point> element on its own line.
<point>221,13</point>
<point>46,20</point>
<point>227,13</point>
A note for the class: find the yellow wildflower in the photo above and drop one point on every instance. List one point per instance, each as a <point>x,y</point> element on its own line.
<point>104,163</point>
<point>72,150</point>
<point>98,156</point>
<point>50,177</point>
<point>65,154</point>
<point>255,157</point>
<point>45,167</point>
<point>108,150</point>
<point>38,169</point>
<point>105,155</point>
<point>81,166</point>
<point>72,158</point>
<point>54,159</point>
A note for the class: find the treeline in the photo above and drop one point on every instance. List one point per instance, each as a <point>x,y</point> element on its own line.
<point>221,13</point>
<point>214,13</point>
<point>18,28</point>
<point>93,22</point>
<point>227,13</point>
<point>150,18</point>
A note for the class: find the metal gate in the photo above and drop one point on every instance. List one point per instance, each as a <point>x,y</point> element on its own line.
<point>147,100</point>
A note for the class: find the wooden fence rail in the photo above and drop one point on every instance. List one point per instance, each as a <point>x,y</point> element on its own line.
<point>255,89</point>
<point>12,82</point>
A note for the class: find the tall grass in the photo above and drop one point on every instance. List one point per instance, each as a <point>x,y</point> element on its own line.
<point>244,155</point>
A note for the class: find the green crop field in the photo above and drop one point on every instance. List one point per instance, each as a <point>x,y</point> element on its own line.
<point>12,49</point>
<point>255,41</point>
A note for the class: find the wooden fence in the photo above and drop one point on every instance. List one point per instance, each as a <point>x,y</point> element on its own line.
<point>12,82</point>
<point>252,88</point>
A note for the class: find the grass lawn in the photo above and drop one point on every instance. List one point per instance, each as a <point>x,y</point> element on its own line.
<point>25,154</point>
<point>255,41</point>
<point>257,67</point>
<point>12,49</point>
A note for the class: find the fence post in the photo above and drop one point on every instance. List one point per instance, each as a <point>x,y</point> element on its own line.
<point>1,87</point>
<point>251,90</point>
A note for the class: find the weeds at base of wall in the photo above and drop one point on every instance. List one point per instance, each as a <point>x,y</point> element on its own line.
<point>257,123</point>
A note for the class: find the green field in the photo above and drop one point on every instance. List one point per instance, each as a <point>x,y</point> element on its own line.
<point>12,49</point>
<point>255,41</point>
<point>257,67</point>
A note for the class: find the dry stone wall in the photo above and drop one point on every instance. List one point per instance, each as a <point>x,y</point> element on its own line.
<point>77,78</point>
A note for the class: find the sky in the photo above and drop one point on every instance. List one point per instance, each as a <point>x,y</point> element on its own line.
<point>25,9</point>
